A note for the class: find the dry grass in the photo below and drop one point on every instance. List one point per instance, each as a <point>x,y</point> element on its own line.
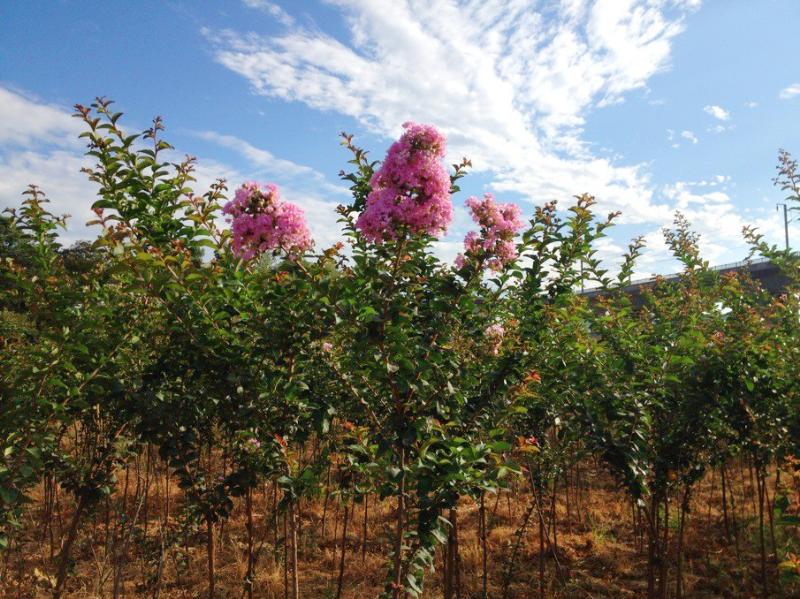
<point>598,553</point>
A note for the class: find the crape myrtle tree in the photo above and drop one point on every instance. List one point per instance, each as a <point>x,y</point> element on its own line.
<point>757,389</point>
<point>72,358</point>
<point>402,316</point>
<point>766,417</point>
<point>650,412</point>
<point>436,354</point>
<point>241,311</point>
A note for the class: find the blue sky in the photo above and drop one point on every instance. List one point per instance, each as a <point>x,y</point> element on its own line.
<point>651,105</point>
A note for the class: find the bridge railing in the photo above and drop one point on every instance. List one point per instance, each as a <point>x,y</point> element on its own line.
<point>652,279</point>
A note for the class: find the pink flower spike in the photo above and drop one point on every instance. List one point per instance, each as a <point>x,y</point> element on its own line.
<point>262,222</point>
<point>499,225</point>
<point>411,189</point>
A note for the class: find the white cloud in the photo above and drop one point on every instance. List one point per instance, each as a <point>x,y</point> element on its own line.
<point>719,128</point>
<point>39,145</point>
<point>671,139</point>
<point>57,173</point>
<point>689,135</point>
<point>272,9</point>
<point>751,104</point>
<point>267,164</point>
<point>25,121</point>
<point>789,92</point>
<point>712,213</point>
<point>511,85</point>
<point>718,112</point>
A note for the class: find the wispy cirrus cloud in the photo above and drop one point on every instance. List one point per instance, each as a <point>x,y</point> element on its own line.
<point>511,84</point>
<point>265,163</point>
<point>272,9</point>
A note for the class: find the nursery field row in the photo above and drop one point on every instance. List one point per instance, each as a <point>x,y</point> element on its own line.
<point>203,385</point>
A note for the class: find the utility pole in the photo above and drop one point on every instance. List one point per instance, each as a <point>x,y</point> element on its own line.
<point>785,221</point>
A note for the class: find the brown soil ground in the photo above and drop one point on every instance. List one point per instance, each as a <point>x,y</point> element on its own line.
<point>599,551</point>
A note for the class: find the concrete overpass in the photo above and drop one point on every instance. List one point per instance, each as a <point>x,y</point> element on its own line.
<point>761,270</point>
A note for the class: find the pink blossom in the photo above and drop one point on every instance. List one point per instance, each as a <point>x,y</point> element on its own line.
<point>327,347</point>
<point>261,222</point>
<point>411,189</point>
<point>494,334</point>
<point>499,224</point>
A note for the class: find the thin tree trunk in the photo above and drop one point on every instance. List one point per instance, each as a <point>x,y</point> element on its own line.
<point>210,550</point>
<point>286,554</point>
<point>447,566</point>
<point>554,518</point>
<point>397,591</point>
<point>166,494</point>
<point>663,552</point>
<point>293,531</point>
<point>344,550</point>
<point>456,554</point>
<point>365,530</point>
<point>753,487</point>
<point>566,497</point>
<point>149,459</point>
<point>770,507</point>
<point>482,532</point>
<point>541,552</point>
<point>725,505</point>
<point>325,503</point>
<point>250,574</point>
<point>734,518</point>
<point>762,542</point>
<point>275,553</point>
<point>61,577</point>
<point>679,564</point>
<point>652,539</point>
<point>518,535</point>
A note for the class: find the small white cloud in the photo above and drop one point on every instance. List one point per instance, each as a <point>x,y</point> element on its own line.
<point>751,104</point>
<point>718,112</point>
<point>272,9</point>
<point>689,135</point>
<point>787,93</point>
<point>717,129</point>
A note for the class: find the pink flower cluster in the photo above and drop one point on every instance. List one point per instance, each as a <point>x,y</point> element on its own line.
<point>261,222</point>
<point>499,224</point>
<point>411,189</point>
<point>494,334</point>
